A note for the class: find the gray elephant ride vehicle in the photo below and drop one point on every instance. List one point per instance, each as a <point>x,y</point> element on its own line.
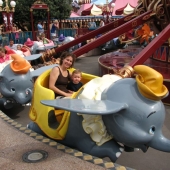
<point>106,116</point>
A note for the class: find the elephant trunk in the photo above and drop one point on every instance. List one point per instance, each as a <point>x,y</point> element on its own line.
<point>160,143</point>
<point>24,98</point>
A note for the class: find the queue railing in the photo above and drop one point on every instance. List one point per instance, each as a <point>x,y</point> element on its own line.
<point>22,36</point>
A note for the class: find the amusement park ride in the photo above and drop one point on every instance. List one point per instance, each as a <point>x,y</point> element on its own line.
<point>97,120</point>
<point>155,13</point>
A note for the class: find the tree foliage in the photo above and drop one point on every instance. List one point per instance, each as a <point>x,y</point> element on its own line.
<point>59,9</point>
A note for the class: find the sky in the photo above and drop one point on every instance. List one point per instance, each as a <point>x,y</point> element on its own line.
<point>98,2</point>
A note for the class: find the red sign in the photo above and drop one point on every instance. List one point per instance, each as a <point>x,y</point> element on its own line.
<point>8,20</point>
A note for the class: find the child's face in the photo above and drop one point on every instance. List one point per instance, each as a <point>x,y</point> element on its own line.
<point>76,78</point>
<point>42,36</point>
<point>18,47</point>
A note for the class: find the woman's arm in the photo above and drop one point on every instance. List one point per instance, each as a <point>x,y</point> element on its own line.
<point>56,25</point>
<point>53,78</point>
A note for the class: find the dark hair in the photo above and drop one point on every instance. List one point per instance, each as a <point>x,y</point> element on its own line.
<point>11,40</point>
<point>65,55</point>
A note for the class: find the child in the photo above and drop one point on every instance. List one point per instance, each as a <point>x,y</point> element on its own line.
<point>75,84</point>
<point>44,40</point>
<point>19,50</point>
<point>3,56</point>
<point>19,47</point>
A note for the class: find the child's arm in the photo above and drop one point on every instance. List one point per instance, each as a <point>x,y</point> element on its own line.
<point>47,40</point>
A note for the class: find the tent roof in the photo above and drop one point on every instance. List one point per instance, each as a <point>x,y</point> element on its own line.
<point>96,11</point>
<point>87,11</point>
<point>93,8</point>
<point>119,4</point>
<point>73,14</point>
<point>83,7</point>
<point>127,8</point>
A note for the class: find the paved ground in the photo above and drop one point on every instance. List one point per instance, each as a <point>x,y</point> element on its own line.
<point>14,144</point>
<point>12,141</point>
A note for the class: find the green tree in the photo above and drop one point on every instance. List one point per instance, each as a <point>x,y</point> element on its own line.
<point>59,9</point>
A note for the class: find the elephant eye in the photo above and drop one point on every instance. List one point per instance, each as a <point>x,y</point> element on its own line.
<point>27,92</point>
<point>12,89</point>
<point>152,130</point>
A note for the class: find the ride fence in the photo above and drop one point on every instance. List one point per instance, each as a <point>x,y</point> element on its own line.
<point>18,38</point>
<point>21,37</point>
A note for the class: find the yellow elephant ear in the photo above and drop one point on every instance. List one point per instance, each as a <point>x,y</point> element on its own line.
<point>150,83</point>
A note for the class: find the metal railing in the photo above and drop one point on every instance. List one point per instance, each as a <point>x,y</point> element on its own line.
<point>22,36</point>
<point>18,39</point>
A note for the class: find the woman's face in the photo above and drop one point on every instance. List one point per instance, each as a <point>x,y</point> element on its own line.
<point>67,62</point>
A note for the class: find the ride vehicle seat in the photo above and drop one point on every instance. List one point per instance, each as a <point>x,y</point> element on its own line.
<point>54,123</point>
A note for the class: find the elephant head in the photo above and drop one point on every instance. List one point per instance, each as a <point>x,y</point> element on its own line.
<point>140,124</point>
<point>16,81</point>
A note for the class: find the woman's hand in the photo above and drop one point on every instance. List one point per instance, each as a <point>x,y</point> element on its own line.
<point>70,91</point>
<point>68,94</point>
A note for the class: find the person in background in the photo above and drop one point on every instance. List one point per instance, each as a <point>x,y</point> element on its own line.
<point>78,45</point>
<point>19,50</point>
<point>40,28</point>
<point>44,40</point>
<point>92,24</point>
<point>54,29</point>
<point>75,84</point>
<point>3,56</point>
<point>18,47</point>
<point>101,23</point>
<point>74,25</point>
<point>16,32</point>
<point>60,76</point>
<point>12,45</point>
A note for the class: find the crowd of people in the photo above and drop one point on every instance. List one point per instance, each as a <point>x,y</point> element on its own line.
<point>54,28</point>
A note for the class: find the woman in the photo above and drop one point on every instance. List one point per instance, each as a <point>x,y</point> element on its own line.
<point>101,23</point>
<point>54,29</point>
<point>60,76</point>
